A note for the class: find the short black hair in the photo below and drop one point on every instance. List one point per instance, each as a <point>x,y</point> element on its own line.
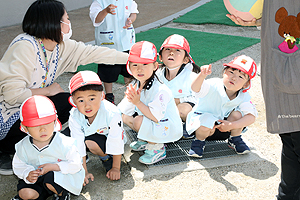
<point>89,87</point>
<point>42,19</point>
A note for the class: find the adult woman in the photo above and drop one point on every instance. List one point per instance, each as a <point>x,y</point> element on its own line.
<point>33,61</point>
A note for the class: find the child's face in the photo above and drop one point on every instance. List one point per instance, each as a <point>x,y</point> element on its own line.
<point>41,133</point>
<point>173,58</point>
<point>142,72</point>
<point>88,102</point>
<point>234,80</point>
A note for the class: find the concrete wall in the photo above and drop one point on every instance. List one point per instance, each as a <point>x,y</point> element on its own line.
<point>13,11</point>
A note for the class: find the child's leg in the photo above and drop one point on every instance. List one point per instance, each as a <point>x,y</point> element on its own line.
<point>51,186</point>
<point>184,109</point>
<point>96,143</point>
<point>133,122</point>
<point>28,193</point>
<point>198,144</point>
<point>234,116</point>
<point>235,140</point>
<point>34,191</point>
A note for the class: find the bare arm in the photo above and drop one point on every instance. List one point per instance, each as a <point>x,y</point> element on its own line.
<point>197,83</point>
<point>51,90</point>
<point>110,9</point>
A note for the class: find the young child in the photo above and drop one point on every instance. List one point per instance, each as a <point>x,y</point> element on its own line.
<point>113,28</point>
<point>149,107</point>
<point>96,124</point>
<point>224,107</point>
<point>46,161</point>
<point>178,71</point>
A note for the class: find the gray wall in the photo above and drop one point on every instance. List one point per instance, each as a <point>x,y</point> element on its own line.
<point>13,11</point>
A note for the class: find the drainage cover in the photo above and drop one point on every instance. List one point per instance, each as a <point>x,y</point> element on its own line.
<point>177,152</point>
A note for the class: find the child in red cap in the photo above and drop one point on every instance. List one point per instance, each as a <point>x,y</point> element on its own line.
<point>149,107</point>
<point>177,72</point>
<point>46,161</point>
<point>224,108</point>
<point>96,124</point>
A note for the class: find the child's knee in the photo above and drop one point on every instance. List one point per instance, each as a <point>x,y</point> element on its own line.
<point>92,146</point>
<point>28,193</point>
<point>137,122</point>
<point>234,116</point>
<point>204,132</point>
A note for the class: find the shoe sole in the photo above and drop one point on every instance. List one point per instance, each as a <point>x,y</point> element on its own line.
<point>153,162</point>
<point>138,149</point>
<point>245,152</point>
<point>6,172</point>
<point>187,138</point>
<point>195,155</point>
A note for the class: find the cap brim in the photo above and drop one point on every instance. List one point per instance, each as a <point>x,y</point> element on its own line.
<point>39,121</point>
<point>235,66</point>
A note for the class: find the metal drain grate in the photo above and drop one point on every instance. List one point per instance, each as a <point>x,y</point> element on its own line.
<point>177,152</point>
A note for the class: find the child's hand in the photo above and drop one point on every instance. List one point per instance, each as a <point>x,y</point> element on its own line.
<point>111,9</point>
<point>87,177</point>
<point>205,70</point>
<point>132,94</point>
<point>33,175</point>
<point>127,23</point>
<point>45,168</point>
<point>224,125</point>
<point>113,174</point>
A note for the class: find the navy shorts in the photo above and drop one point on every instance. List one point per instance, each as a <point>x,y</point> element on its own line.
<point>110,73</point>
<point>99,139</point>
<point>40,186</point>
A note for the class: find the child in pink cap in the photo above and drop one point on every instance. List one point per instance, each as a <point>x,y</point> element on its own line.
<point>46,161</point>
<point>224,108</point>
<point>149,107</point>
<point>96,124</point>
<point>177,72</point>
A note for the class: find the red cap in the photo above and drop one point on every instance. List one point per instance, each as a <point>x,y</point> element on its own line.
<point>38,110</point>
<point>177,42</point>
<point>245,64</point>
<point>83,78</point>
<point>142,52</point>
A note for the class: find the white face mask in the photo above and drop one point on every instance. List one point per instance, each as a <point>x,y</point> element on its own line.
<point>67,36</point>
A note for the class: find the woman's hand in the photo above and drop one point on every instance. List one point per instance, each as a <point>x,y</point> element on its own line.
<point>48,91</point>
<point>239,21</point>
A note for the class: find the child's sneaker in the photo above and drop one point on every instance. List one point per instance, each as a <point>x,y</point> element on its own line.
<point>153,156</point>
<point>65,196</point>
<point>16,197</point>
<point>110,97</point>
<point>107,163</point>
<point>185,135</point>
<point>197,148</point>
<point>138,145</point>
<point>238,145</point>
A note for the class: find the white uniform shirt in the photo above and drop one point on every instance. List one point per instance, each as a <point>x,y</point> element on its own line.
<point>108,122</point>
<point>61,150</point>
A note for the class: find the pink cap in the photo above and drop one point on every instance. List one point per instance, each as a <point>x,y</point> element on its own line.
<point>177,42</point>
<point>38,110</point>
<point>83,78</point>
<point>245,64</point>
<point>142,52</point>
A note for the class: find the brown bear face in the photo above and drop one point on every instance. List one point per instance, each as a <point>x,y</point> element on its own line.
<point>289,25</point>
